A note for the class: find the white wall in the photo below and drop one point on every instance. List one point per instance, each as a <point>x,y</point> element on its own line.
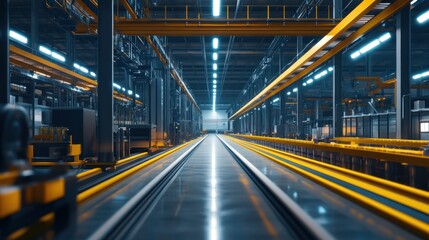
<point>215,120</point>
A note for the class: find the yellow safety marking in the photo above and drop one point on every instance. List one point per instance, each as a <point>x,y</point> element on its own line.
<point>359,181</point>
<point>104,185</point>
<point>88,174</point>
<point>125,160</point>
<point>49,191</point>
<point>403,219</point>
<point>10,201</point>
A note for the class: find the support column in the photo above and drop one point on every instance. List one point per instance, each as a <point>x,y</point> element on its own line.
<point>300,112</point>
<point>403,98</point>
<point>34,25</point>
<point>4,53</point>
<point>337,122</point>
<point>105,81</point>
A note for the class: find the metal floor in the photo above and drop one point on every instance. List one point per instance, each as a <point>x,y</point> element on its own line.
<point>212,197</point>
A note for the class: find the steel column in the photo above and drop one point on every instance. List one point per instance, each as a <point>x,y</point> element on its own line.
<point>105,81</point>
<point>34,25</point>
<point>403,98</point>
<point>4,52</point>
<point>299,95</point>
<point>337,122</point>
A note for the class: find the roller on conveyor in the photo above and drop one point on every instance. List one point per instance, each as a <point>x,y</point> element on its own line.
<point>32,205</point>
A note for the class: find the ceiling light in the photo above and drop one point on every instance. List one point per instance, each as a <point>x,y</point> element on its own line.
<point>421,75</point>
<point>18,37</point>
<point>214,75</point>
<point>215,43</point>
<point>117,86</point>
<point>123,89</point>
<point>295,90</point>
<point>216,8</point>
<point>84,69</point>
<point>355,54</point>
<point>413,2</point>
<point>45,50</point>
<point>58,56</point>
<point>276,100</point>
<point>288,93</point>
<point>214,66</point>
<point>385,37</point>
<point>369,46</point>
<point>214,86</point>
<point>215,56</point>
<point>75,65</point>
<point>137,96</point>
<point>130,92</point>
<point>423,18</point>
<point>304,84</point>
<point>330,69</point>
<point>93,74</point>
<point>309,81</point>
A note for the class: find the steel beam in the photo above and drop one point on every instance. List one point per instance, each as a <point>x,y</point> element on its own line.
<point>337,122</point>
<point>290,76</point>
<point>403,66</point>
<point>105,82</point>
<point>144,27</point>
<point>4,53</point>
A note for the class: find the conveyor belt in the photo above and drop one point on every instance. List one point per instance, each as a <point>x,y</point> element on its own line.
<point>226,191</point>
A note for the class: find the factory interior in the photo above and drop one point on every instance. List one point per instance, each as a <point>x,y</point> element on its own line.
<point>214,119</point>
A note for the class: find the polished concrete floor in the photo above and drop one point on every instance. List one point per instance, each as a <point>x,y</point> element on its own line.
<point>212,197</point>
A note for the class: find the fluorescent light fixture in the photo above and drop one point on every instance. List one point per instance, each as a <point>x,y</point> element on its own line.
<point>304,84</point>
<point>214,75</point>
<point>216,8</point>
<point>295,90</point>
<point>413,2</point>
<point>75,65</point>
<point>93,74</point>
<point>423,17</point>
<point>130,92</point>
<point>214,81</point>
<point>309,81</point>
<point>369,46</point>
<point>58,56</point>
<point>276,100</point>
<point>321,74</point>
<point>117,86</point>
<point>45,50</point>
<point>214,90</point>
<point>330,69</point>
<point>355,54</point>
<point>421,75</point>
<point>215,43</point>
<point>18,37</point>
<point>123,89</point>
<point>137,96</point>
<point>84,69</point>
<point>288,93</point>
<point>385,37</point>
<point>214,66</point>
<point>215,56</point>
<point>214,86</point>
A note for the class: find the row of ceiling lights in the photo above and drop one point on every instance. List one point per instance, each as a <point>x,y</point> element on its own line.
<point>215,45</point>
<point>56,56</point>
<point>46,51</point>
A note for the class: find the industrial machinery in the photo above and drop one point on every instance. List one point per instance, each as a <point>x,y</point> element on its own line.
<point>54,145</point>
<point>142,137</point>
<point>122,143</point>
<point>32,204</point>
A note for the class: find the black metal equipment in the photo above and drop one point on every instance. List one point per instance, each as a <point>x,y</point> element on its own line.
<point>36,204</point>
<point>122,143</point>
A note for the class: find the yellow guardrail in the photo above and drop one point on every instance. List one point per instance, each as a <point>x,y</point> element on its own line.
<point>88,174</point>
<point>408,196</point>
<point>106,184</point>
<point>383,142</point>
<point>376,153</point>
